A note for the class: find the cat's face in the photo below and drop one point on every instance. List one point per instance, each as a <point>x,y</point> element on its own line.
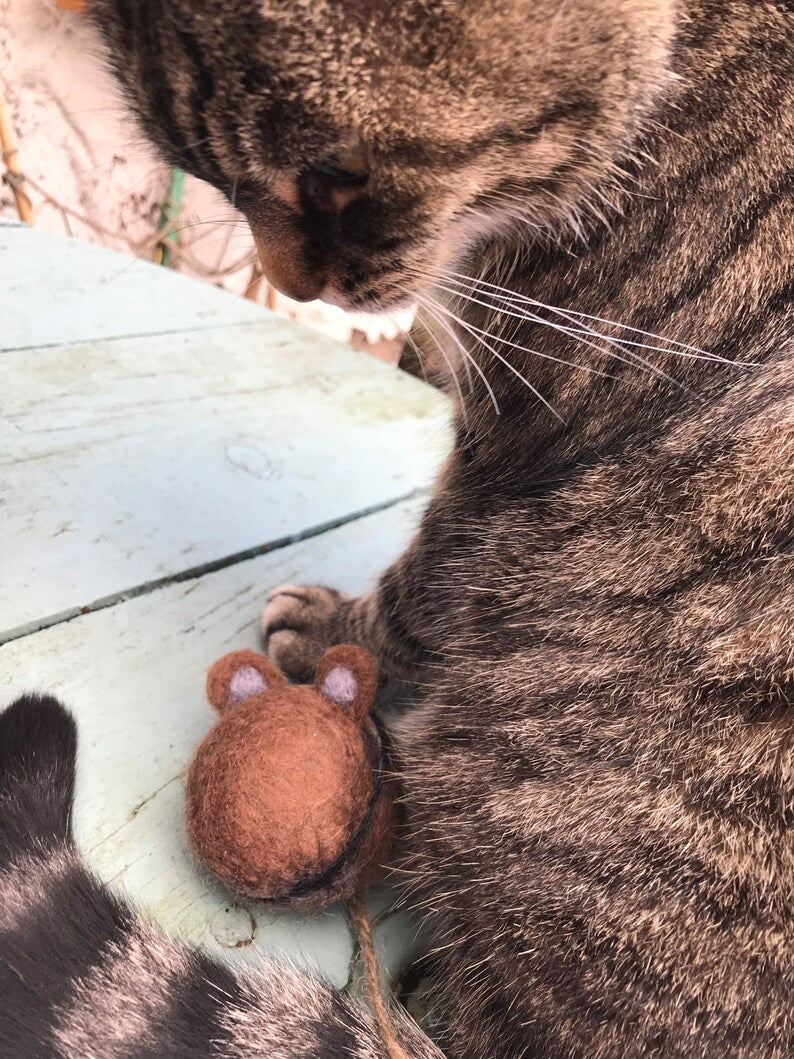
<point>372,143</point>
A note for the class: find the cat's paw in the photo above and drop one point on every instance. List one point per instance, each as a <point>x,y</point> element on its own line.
<point>298,625</point>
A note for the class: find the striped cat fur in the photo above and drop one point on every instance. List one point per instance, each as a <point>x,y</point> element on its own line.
<point>83,975</point>
<point>598,764</point>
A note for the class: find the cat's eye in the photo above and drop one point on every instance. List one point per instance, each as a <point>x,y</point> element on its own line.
<point>337,175</point>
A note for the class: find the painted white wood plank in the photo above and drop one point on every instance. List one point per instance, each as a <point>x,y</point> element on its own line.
<point>133,675</point>
<point>10,222</point>
<point>128,461</point>
<point>55,290</point>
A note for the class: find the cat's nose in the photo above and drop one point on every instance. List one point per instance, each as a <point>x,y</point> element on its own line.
<point>287,273</point>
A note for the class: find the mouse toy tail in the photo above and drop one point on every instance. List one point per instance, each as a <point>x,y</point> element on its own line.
<point>362,928</point>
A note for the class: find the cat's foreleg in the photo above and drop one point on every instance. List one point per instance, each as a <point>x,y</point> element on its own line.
<point>397,622</point>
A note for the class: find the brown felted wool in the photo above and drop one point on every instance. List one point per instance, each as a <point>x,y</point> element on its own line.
<point>286,799</point>
<point>221,676</point>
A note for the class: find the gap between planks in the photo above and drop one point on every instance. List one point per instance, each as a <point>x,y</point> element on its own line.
<point>221,325</point>
<point>195,572</point>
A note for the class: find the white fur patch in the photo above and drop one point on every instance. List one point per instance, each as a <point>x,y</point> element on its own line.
<point>28,883</point>
<point>340,685</point>
<point>118,1006</point>
<point>246,682</point>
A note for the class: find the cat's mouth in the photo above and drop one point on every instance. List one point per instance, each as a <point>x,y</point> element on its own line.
<point>333,297</point>
<point>286,269</point>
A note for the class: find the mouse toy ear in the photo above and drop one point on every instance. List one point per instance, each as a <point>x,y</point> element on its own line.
<point>347,676</point>
<point>240,675</point>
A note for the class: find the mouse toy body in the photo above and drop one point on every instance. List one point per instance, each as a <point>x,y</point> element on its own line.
<point>287,799</point>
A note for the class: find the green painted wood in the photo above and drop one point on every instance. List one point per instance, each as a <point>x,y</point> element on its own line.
<point>133,675</point>
<point>127,461</point>
<point>55,290</point>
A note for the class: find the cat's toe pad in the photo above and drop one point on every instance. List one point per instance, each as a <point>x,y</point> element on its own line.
<point>298,625</point>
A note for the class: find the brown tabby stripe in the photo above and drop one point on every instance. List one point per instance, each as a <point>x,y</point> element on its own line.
<point>26,882</point>
<point>597,762</point>
<point>453,154</point>
<point>742,233</point>
<point>149,48</point>
<point>99,1015</point>
<point>62,937</point>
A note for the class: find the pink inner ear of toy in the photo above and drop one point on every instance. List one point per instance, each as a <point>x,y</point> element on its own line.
<point>340,685</point>
<point>246,682</point>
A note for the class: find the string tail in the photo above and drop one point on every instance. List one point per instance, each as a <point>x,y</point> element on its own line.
<point>363,931</point>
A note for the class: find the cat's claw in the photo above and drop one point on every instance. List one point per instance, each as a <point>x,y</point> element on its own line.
<point>298,624</point>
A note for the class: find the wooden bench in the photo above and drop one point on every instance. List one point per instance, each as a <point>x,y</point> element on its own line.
<point>169,452</point>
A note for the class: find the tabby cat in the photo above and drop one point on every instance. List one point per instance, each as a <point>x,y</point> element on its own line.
<point>592,202</point>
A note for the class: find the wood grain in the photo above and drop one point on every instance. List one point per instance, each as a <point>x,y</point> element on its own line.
<point>129,461</point>
<point>54,291</point>
<point>133,675</point>
<point>162,447</point>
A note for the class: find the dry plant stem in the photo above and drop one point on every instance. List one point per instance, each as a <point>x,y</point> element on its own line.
<point>67,211</point>
<point>143,248</point>
<point>14,177</point>
<point>183,256</point>
<point>17,182</point>
<point>363,931</point>
<point>254,283</point>
<point>257,282</point>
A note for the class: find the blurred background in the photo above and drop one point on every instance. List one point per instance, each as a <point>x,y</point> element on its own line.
<point>86,172</point>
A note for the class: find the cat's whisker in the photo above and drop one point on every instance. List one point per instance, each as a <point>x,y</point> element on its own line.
<point>636,360</point>
<point>579,327</point>
<point>502,360</point>
<point>419,354</point>
<point>467,355</point>
<point>535,352</point>
<point>514,298</point>
<point>673,344</point>
<point>452,372</point>
<point>579,330</point>
<point>216,222</point>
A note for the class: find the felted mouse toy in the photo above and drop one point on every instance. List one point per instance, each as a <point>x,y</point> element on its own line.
<point>287,800</point>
